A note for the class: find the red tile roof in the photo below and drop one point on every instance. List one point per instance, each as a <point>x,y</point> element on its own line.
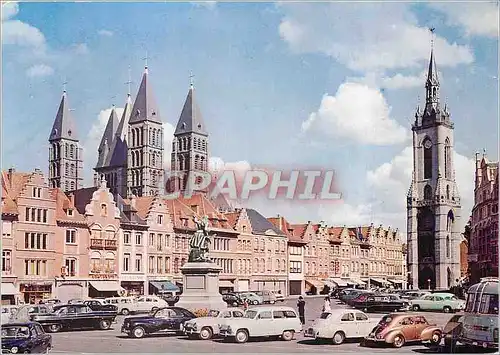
<point>63,203</point>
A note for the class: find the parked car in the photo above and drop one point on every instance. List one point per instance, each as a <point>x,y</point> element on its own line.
<point>380,303</point>
<point>168,319</point>
<point>76,301</point>
<point>8,312</point>
<point>75,317</point>
<point>278,296</point>
<point>262,322</point>
<point>99,305</point>
<point>411,295</point>
<point>446,302</point>
<point>341,324</point>
<point>143,304</point>
<point>398,329</point>
<point>358,296</point>
<point>232,299</point>
<point>267,296</point>
<point>123,304</point>
<point>452,331</point>
<point>251,297</point>
<point>207,327</point>
<point>50,301</point>
<point>349,294</point>
<point>24,338</point>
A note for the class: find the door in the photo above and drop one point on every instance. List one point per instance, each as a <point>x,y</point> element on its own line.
<point>265,325</point>
<point>164,320</point>
<point>348,325</point>
<point>408,328</point>
<point>425,302</point>
<point>420,325</point>
<point>36,341</point>
<point>363,325</point>
<point>178,317</point>
<point>437,303</point>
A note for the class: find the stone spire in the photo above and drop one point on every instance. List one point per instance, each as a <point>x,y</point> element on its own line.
<point>432,81</point>
<point>191,120</point>
<point>145,107</point>
<point>107,139</point>
<point>64,126</point>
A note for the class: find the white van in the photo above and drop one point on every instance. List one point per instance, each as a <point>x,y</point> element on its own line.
<point>262,322</point>
<point>124,304</point>
<point>141,304</point>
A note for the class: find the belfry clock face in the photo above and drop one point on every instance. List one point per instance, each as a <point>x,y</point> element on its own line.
<point>427,144</point>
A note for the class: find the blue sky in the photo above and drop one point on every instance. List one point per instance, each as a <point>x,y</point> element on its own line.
<point>328,84</point>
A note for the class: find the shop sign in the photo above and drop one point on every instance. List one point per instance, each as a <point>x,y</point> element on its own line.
<point>71,283</point>
<point>137,278</point>
<point>103,276</point>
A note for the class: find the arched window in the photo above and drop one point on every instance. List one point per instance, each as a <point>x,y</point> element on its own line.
<point>66,169</point>
<point>196,161</point>
<point>447,192</point>
<point>427,159</point>
<point>154,137</point>
<point>158,141</point>
<point>427,192</point>
<point>72,170</point>
<point>447,159</point>
<point>203,163</point>
<point>153,158</point>
<point>449,222</point>
<point>66,150</point>
<point>73,186</point>
<point>448,246</point>
<point>133,137</point>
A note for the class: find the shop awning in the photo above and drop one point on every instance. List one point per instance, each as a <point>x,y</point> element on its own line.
<point>165,286</point>
<point>226,283</point>
<point>396,281</point>
<point>106,286</point>
<point>338,281</point>
<point>328,283</point>
<point>379,281</point>
<point>316,283</point>
<point>9,289</point>
<point>357,281</point>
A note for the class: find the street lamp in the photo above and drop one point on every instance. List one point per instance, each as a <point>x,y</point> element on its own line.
<point>429,283</point>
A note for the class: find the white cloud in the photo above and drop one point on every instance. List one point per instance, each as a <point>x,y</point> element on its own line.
<point>80,48</point>
<point>9,10</point>
<point>366,37</point>
<point>476,18</point>
<point>168,137</point>
<point>357,112</point>
<point>390,183</point>
<point>105,33</point>
<point>39,70</point>
<point>15,32</point>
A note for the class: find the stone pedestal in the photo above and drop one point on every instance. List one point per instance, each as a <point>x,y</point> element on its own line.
<point>201,286</point>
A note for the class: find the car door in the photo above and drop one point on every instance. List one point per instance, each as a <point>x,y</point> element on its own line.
<point>264,326</point>
<point>425,302</point>
<point>363,325</point>
<point>420,325</point>
<point>178,318</point>
<point>437,303</point>
<point>348,325</point>
<point>408,328</point>
<point>164,320</point>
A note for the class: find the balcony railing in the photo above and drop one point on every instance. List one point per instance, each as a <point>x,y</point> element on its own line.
<point>109,244</point>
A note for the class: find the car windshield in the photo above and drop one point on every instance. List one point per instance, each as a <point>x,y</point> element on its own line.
<point>250,314</point>
<point>213,313</point>
<point>15,332</point>
<point>325,315</point>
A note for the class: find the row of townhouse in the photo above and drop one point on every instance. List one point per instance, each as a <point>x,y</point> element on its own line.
<point>89,242</point>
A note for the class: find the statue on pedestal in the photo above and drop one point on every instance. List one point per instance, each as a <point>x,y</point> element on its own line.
<point>199,242</point>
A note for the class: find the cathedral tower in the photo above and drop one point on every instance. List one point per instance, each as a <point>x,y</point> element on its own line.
<point>65,153</point>
<point>433,201</point>
<point>190,144</point>
<point>145,144</point>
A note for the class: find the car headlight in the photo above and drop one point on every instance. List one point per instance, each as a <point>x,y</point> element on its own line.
<point>14,350</point>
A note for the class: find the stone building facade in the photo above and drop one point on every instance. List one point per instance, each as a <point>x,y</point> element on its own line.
<point>483,239</point>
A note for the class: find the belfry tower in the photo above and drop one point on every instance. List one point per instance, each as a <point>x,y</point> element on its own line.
<point>433,201</point>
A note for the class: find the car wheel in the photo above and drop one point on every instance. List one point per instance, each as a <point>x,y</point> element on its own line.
<point>338,338</point>
<point>241,336</point>
<point>416,308</point>
<point>125,312</point>
<point>399,341</point>
<point>104,324</point>
<point>287,335</point>
<point>436,338</point>
<point>255,302</point>
<point>54,328</point>
<point>138,332</point>
<point>206,333</point>
<point>282,300</point>
<point>447,309</point>
<point>272,302</point>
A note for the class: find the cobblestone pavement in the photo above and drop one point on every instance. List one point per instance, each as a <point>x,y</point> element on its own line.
<point>112,341</point>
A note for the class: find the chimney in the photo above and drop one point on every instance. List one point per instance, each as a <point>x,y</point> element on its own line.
<point>11,172</point>
<point>133,201</point>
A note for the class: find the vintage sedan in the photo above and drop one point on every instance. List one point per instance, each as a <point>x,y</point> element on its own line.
<point>163,320</point>
<point>205,328</point>
<point>380,303</point>
<point>25,338</point>
<point>232,300</point>
<point>398,329</point>
<point>341,324</point>
<point>271,321</point>
<point>446,302</point>
<point>75,317</point>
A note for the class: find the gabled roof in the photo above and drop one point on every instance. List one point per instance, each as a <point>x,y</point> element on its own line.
<point>128,214</point>
<point>191,120</point>
<point>118,151</point>
<point>107,139</point>
<point>145,107</point>
<point>8,204</point>
<point>82,197</point>
<point>63,203</point>
<point>232,218</point>
<point>260,224</point>
<point>335,234</point>
<point>64,126</point>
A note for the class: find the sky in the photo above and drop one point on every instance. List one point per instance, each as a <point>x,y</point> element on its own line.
<point>333,85</point>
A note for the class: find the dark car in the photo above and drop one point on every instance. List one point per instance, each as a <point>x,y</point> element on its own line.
<point>349,294</point>
<point>163,320</point>
<point>380,303</point>
<point>232,299</point>
<point>99,305</point>
<point>75,317</point>
<point>358,297</point>
<point>28,337</point>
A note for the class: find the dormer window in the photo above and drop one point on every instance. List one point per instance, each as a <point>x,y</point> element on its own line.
<point>69,212</point>
<point>160,219</point>
<point>104,210</point>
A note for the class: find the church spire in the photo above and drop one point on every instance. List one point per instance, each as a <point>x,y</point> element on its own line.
<point>191,120</point>
<point>64,126</point>
<point>145,107</point>
<point>432,82</point>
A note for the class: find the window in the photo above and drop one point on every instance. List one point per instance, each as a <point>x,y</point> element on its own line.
<point>126,238</point>
<point>278,314</point>
<point>35,241</point>
<point>104,210</point>
<point>6,229</point>
<point>151,264</point>
<point>265,315</point>
<point>71,267</point>
<point>295,267</point>
<point>138,262</point>
<point>35,267</point>
<point>138,239</point>
<point>427,159</point>
<point>37,192</point>
<point>361,316</point>
<point>448,246</point>
<point>126,262</point>
<point>428,192</point>
<point>290,314</point>
<point>6,261</point>
<point>347,317</point>
<point>160,219</point>
<point>151,239</point>
<point>70,236</point>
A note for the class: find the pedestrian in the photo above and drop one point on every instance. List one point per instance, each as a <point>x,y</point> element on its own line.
<point>301,305</point>
<point>245,304</point>
<point>327,307</point>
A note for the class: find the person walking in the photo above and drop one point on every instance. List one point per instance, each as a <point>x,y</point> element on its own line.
<point>301,305</point>
<point>327,307</point>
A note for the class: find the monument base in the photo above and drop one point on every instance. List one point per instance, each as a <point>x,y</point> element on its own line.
<point>201,287</point>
